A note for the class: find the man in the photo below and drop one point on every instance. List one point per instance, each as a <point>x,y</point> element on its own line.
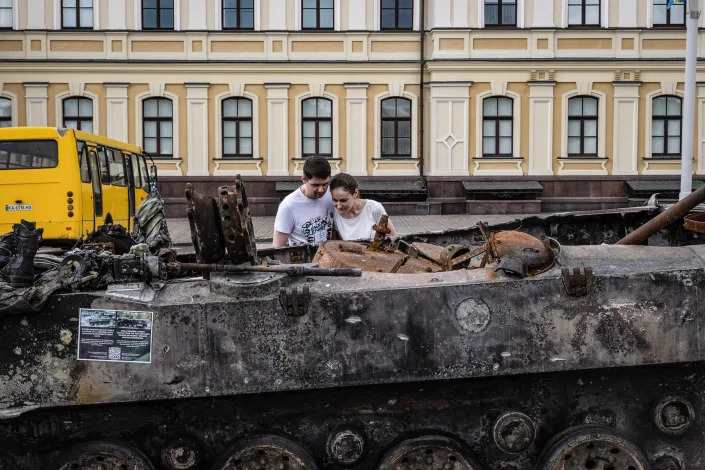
<point>306,215</point>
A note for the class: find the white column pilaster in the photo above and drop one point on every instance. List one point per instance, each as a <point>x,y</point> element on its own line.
<point>36,98</point>
<point>197,15</point>
<point>541,128</point>
<point>117,14</point>
<point>626,129</point>
<point>197,133</point>
<point>357,16</point>
<point>440,14</point>
<point>36,16</point>
<point>356,137</point>
<point>277,15</point>
<point>628,13</point>
<point>116,95</point>
<point>278,129</point>
<point>448,138</point>
<point>543,14</point>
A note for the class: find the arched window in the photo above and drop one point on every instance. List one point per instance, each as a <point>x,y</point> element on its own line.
<point>76,14</point>
<point>396,128</point>
<point>666,122</point>
<point>158,130</point>
<point>583,12</point>
<point>157,14</point>
<point>5,112</point>
<point>237,127</point>
<point>78,113</point>
<point>238,14</point>
<point>500,12</point>
<point>317,14</point>
<point>397,14</point>
<point>497,126</point>
<point>665,16</point>
<point>317,123</point>
<point>582,126</point>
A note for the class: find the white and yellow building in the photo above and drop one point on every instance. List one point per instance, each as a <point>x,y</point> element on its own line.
<point>580,95</point>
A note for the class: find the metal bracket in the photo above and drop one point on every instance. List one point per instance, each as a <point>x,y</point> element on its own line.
<point>577,283</point>
<point>295,300</point>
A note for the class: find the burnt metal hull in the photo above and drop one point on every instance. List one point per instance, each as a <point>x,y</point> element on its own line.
<point>392,355</point>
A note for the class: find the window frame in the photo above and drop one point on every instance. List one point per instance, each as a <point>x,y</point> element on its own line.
<point>666,118</point>
<point>11,8</point>
<point>78,118</point>
<point>668,23</point>
<point>237,120</point>
<point>8,119</point>
<point>497,118</point>
<point>158,120</point>
<point>396,9</point>
<point>499,24</point>
<point>582,119</point>
<point>396,120</point>
<point>317,120</point>
<point>238,9</point>
<point>318,17</point>
<point>158,9</point>
<point>78,8</point>
<point>583,24</point>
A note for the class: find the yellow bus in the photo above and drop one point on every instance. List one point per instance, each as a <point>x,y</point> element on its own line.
<point>69,182</point>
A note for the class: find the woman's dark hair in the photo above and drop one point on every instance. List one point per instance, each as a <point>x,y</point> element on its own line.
<point>344,181</point>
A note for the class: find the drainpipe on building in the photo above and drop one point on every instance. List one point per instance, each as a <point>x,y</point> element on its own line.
<point>422,65</point>
<point>691,59</point>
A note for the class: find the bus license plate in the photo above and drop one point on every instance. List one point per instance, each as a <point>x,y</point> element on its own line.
<point>18,207</point>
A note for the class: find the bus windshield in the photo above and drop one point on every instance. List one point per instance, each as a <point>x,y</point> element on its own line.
<point>28,154</point>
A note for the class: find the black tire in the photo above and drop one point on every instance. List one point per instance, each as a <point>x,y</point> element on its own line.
<point>267,440</point>
<point>133,458</point>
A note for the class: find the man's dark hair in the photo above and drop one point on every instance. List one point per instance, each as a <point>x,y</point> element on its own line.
<point>316,167</point>
<point>344,181</point>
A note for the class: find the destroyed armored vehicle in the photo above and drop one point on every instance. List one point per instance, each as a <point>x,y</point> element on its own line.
<point>489,349</point>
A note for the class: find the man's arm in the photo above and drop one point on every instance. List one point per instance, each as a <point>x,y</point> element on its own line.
<point>280,239</point>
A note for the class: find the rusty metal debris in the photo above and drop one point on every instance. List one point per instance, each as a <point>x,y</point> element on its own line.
<point>516,253</point>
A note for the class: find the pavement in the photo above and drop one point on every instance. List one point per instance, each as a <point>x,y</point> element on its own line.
<point>405,225</point>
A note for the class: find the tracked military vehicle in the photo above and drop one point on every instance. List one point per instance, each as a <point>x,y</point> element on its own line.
<point>489,350</point>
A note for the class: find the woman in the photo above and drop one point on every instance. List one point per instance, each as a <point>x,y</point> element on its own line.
<point>354,217</point>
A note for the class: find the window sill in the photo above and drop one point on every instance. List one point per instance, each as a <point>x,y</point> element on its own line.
<point>330,159</point>
<point>577,157</point>
<point>497,157</point>
<point>165,159</point>
<point>228,159</point>
<point>396,159</point>
<point>665,158</point>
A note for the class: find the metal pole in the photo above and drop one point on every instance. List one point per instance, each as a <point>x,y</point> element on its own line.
<point>691,58</point>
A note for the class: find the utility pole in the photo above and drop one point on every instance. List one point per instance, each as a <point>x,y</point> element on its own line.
<point>691,59</point>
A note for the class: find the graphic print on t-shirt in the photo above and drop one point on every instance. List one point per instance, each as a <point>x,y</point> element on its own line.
<point>316,229</point>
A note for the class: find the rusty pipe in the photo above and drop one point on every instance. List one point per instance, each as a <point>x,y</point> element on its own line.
<point>675,212</point>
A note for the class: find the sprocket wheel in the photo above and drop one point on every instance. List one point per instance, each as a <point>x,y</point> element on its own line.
<point>591,448</point>
<point>266,452</point>
<point>429,453</point>
<point>101,455</point>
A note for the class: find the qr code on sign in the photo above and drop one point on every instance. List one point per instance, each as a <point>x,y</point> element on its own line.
<point>114,353</point>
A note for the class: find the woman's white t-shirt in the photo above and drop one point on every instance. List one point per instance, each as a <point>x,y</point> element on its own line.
<point>360,227</point>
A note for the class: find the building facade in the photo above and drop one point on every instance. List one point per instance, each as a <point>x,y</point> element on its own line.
<point>579,95</point>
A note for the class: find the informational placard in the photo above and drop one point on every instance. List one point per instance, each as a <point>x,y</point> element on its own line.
<point>115,335</point>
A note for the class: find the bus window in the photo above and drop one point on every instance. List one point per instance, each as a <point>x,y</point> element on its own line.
<point>136,171</point>
<point>28,154</point>
<point>104,166</point>
<point>145,173</point>
<point>95,178</point>
<point>116,162</point>
<point>130,184</point>
<point>83,163</point>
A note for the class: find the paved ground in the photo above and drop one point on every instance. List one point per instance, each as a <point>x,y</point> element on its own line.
<point>264,226</point>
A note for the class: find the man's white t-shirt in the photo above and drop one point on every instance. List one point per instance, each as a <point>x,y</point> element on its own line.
<point>360,227</point>
<point>306,220</point>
